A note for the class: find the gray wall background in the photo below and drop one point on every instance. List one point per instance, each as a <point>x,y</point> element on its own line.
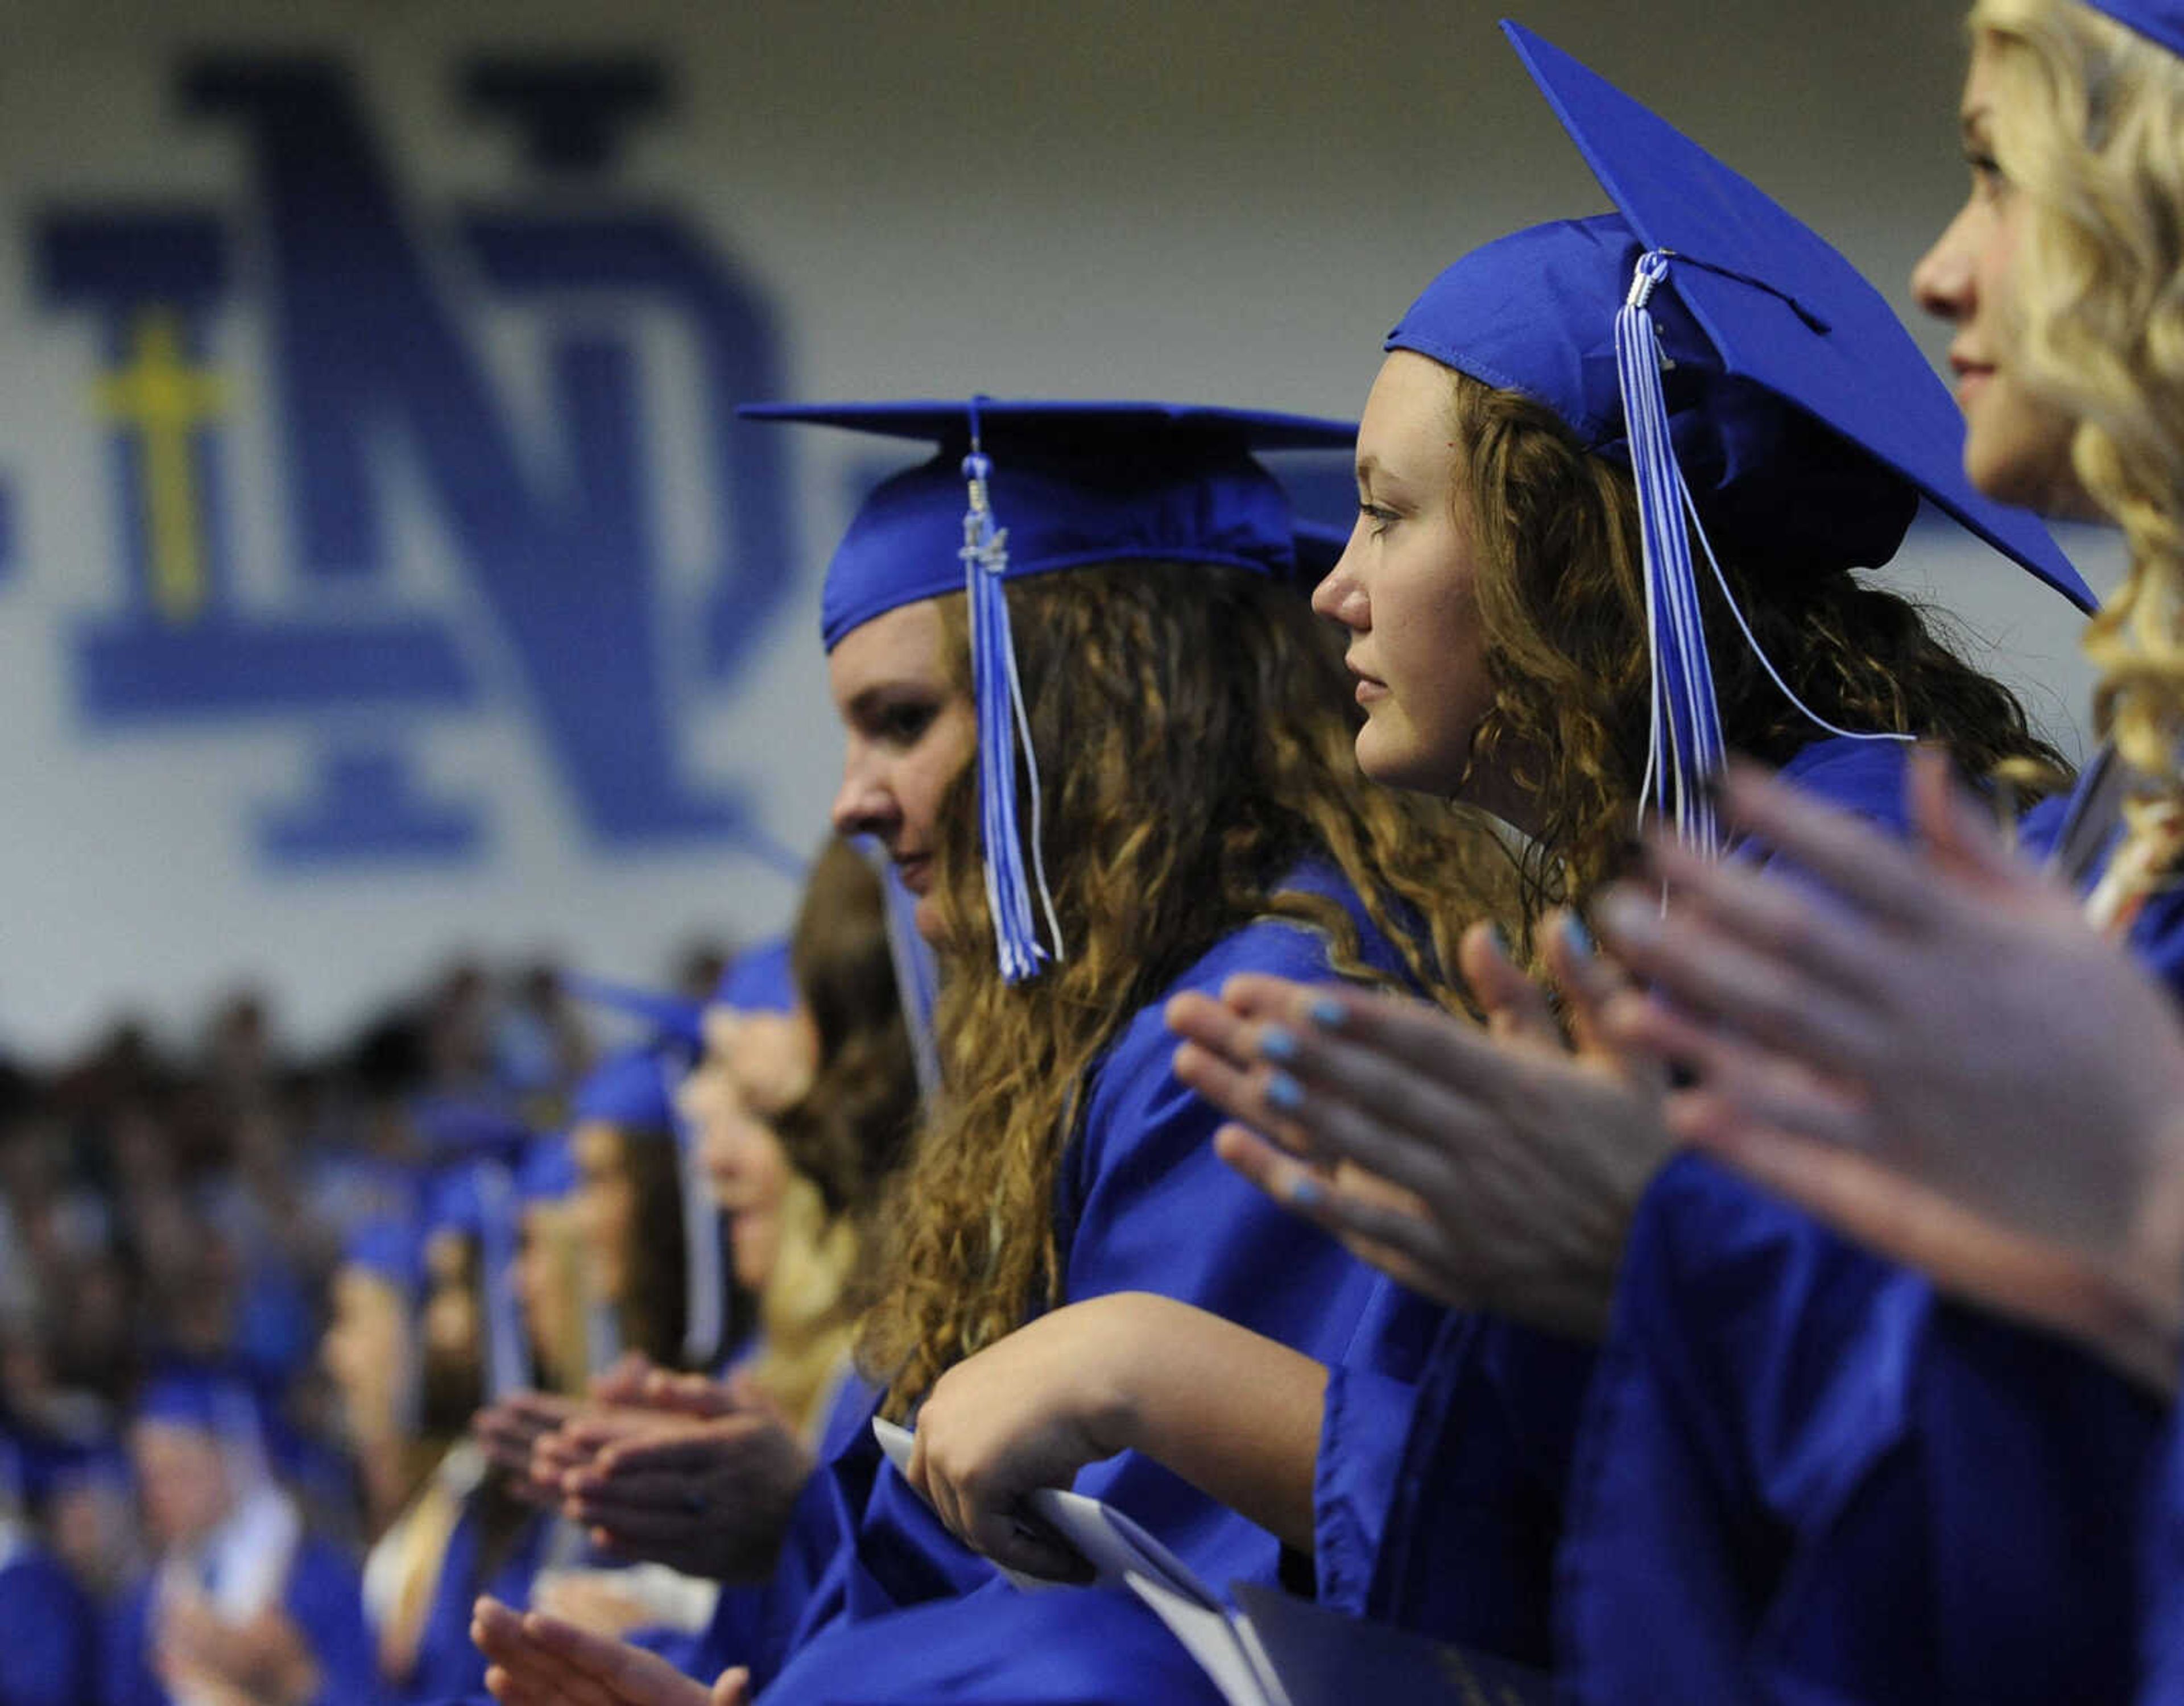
<point>1215,200</point>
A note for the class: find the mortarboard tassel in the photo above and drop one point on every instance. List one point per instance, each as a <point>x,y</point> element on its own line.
<point>917,978</point>
<point>1004,730</point>
<point>704,1285</point>
<point>508,1359</point>
<point>1685,748</point>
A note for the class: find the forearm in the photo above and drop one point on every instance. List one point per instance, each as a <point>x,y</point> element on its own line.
<point>1234,1414</point>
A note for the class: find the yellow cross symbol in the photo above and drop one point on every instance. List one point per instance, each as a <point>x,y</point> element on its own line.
<point>166,400</point>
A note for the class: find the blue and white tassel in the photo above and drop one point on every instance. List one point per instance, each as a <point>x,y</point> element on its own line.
<point>704,1281</point>
<point>1004,731</point>
<point>507,1354</point>
<point>1685,748</point>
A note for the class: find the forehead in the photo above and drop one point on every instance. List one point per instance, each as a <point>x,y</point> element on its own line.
<point>902,646</point>
<point>1978,100</point>
<point>164,1439</point>
<point>1406,426</point>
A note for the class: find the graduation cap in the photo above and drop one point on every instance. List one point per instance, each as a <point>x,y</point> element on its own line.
<point>550,1172</point>
<point>216,1404</point>
<point>759,980</point>
<point>1021,489</point>
<point>389,1247</point>
<point>632,1090</point>
<point>673,1020</point>
<point>1749,376</point>
<point>2160,21</point>
<point>462,1128</point>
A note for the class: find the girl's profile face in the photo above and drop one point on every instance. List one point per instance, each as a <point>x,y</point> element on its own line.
<point>2017,448</point>
<point>911,732</point>
<point>364,1351</point>
<point>756,1066</point>
<point>1407,588</point>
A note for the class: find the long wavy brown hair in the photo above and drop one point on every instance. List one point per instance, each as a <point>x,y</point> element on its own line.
<point>852,1127</point>
<point>1561,603</point>
<point>653,1311</point>
<point>2088,125</point>
<point>1197,729</point>
<point>844,1138</point>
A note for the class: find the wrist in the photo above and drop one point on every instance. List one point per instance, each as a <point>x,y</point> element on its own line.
<point>1111,1392</point>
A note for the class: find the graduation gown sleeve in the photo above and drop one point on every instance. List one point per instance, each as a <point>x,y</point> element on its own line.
<point>1802,1475</point>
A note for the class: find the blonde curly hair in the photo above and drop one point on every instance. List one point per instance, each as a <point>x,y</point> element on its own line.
<point>2089,126</point>
<point>1198,729</point>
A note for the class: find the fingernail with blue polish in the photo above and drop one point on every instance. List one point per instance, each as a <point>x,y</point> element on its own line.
<point>1576,936</point>
<point>1276,1044</point>
<point>1307,1192</point>
<point>1284,1092</point>
<point>1329,1014</point>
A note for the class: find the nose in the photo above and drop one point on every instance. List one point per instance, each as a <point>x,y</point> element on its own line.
<point>864,806</point>
<point>1340,597</point>
<point>1944,280</point>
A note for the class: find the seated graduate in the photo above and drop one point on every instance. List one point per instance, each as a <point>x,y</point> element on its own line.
<point>1974,1078</point>
<point>1803,1472</point>
<point>1496,591</point>
<point>651,1306</point>
<point>1117,766</point>
<point>422,1335</point>
<point>711,1489</point>
<point>49,1628</point>
<point>241,1603</point>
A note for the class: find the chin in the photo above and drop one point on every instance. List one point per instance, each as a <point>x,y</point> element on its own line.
<point>2018,453</point>
<point>1395,762</point>
<point>925,916</point>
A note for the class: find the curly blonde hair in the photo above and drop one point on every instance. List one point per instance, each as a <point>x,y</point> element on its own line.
<point>2089,126</point>
<point>1198,730</point>
<point>1561,603</point>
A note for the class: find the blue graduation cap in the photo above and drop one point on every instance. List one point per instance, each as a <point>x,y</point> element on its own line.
<point>549,1171</point>
<point>388,1246</point>
<point>2160,21</point>
<point>213,1402</point>
<point>458,1128</point>
<point>1021,489</point>
<point>674,1020</point>
<point>759,980</point>
<point>1748,373</point>
<point>633,1089</point>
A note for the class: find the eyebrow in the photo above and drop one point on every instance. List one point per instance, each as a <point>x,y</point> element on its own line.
<point>870,702</point>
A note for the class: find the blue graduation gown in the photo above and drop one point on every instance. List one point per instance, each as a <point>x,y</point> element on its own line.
<point>324,1598</point>
<point>1141,1204</point>
<point>1803,1474</point>
<point>49,1633</point>
<point>449,1664</point>
<point>1446,1445</point>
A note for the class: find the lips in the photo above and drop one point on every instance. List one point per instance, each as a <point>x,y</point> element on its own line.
<point>1369,687</point>
<point>915,870</point>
